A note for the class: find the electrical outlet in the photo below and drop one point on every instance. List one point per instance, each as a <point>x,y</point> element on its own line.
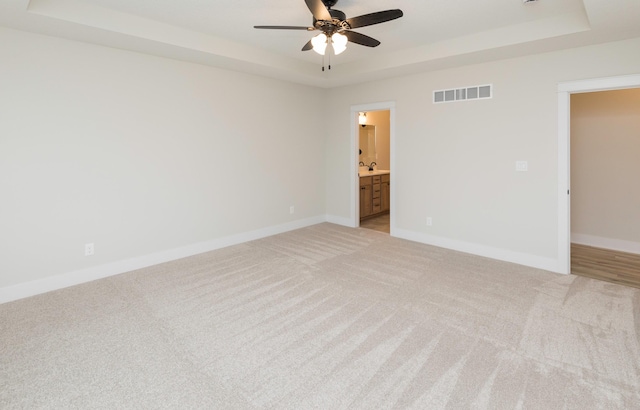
<point>88,249</point>
<point>429,221</point>
<point>291,209</point>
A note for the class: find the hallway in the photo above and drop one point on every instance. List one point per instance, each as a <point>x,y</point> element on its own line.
<point>604,264</point>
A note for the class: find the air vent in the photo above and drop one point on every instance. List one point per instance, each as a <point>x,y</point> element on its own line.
<point>476,92</point>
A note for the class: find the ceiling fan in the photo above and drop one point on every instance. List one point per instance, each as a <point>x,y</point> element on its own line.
<point>336,27</point>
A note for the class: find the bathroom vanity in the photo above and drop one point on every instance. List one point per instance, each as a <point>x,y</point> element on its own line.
<point>374,193</point>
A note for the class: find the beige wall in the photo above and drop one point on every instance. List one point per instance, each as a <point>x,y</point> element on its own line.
<point>381,120</point>
<point>605,168</point>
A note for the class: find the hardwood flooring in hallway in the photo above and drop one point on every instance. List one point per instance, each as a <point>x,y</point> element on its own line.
<point>604,264</point>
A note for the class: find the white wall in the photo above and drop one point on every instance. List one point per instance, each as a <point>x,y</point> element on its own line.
<point>142,155</point>
<point>605,165</point>
<point>456,162</point>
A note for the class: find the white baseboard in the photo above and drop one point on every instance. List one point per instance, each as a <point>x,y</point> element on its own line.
<point>36,287</point>
<point>539,262</point>
<point>338,220</point>
<point>606,243</point>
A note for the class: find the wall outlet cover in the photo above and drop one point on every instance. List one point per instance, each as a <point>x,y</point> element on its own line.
<point>522,166</point>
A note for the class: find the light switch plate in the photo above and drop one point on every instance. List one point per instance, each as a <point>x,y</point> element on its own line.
<point>522,166</point>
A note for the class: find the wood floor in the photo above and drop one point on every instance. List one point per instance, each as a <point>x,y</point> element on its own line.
<point>377,223</point>
<point>604,264</point>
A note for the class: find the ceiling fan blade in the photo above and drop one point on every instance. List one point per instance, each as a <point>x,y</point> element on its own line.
<point>307,46</point>
<point>318,9</point>
<point>374,18</point>
<point>361,39</point>
<point>287,28</point>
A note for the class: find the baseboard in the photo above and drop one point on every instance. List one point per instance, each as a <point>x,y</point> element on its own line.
<point>539,262</point>
<point>339,220</point>
<point>36,287</point>
<point>606,243</point>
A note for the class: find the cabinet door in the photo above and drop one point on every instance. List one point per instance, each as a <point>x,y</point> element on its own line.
<point>377,202</point>
<point>365,201</point>
<point>386,196</point>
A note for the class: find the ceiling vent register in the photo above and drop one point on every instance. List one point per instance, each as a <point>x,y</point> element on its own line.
<point>476,92</point>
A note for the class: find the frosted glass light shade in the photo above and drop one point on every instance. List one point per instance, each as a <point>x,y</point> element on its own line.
<point>339,42</point>
<point>319,43</point>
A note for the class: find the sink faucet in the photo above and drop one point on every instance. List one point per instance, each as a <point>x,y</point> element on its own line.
<point>371,166</point>
<point>362,164</point>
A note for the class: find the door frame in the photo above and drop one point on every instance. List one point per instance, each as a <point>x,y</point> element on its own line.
<point>354,158</point>
<point>565,89</point>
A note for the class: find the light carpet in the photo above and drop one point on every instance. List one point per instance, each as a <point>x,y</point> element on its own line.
<point>325,317</point>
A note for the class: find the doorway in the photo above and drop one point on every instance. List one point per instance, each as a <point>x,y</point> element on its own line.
<point>605,143</point>
<point>565,90</point>
<point>375,108</point>
<point>373,170</point>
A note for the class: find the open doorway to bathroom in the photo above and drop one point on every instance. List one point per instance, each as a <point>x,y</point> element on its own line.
<point>374,169</point>
<point>354,159</point>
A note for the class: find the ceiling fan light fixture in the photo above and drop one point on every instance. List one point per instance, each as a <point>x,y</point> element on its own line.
<point>319,43</point>
<point>339,42</point>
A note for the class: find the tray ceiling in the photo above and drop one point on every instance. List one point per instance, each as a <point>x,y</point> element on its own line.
<point>433,34</point>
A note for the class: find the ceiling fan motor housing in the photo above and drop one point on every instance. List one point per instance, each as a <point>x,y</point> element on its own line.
<point>329,3</point>
<point>331,26</point>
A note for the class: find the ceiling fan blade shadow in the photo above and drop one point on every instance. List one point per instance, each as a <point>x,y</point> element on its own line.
<point>361,39</point>
<point>307,46</point>
<point>318,9</point>
<point>374,18</point>
<point>286,28</point>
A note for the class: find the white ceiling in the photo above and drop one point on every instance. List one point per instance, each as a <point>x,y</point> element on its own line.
<point>432,34</point>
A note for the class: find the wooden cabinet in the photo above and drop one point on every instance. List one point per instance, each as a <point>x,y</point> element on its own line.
<point>377,200</point>
<point>366,200</point>
<point>374,195</point>
<point>385,189</point>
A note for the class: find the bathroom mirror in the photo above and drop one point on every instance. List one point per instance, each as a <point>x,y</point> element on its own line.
<point>367,144</point>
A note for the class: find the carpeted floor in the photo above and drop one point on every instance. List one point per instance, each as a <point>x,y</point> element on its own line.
<point>325,317</point>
